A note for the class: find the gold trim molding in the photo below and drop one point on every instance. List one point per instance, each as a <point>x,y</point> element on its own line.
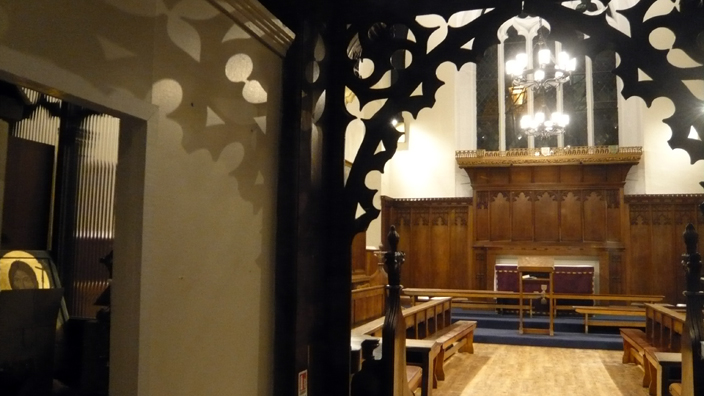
<point>550,156</point>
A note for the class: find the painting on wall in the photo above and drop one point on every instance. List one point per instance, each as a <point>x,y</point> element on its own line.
<point>29,269</point>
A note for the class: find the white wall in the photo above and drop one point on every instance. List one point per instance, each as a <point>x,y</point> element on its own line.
<point>196,189</point>
<point>426,169</point>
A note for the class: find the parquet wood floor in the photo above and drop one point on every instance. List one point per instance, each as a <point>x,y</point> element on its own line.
<point>506,370</point>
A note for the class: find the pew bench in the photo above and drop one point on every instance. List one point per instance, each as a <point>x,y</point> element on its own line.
<point>420,354</point>
<point>663,369</point>
<point>414,376</point>
<point>590,315</point>
<point>457,337</point>
<point>634,344</point>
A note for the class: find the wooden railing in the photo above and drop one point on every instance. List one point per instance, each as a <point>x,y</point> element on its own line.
<point>421,320</point>
<point>478,299</point>
<point>664,326</point>
<point>368,303</point>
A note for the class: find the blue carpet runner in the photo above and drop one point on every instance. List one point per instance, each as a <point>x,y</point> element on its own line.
<point>502,328</point>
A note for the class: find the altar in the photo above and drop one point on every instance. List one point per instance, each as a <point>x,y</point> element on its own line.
<point>573,279</point>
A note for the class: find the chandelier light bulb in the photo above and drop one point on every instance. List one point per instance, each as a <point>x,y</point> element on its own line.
<point>526,121</point>
<point>540,117</point>
<point>521,62</point>
<point>563,60</point>
<point>539,75</point>
<point>544,57</point>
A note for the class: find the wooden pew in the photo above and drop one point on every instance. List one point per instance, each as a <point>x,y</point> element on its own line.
<point>421,320</point>
<point>656,349</point>
<point>611,310</point>
<point>692,341</point>
<point>458,337</point>
<point>663,326</point>
<point>368,303</point>
<point>486,299</point>
<point>421,356</point>
<point>388,376</point>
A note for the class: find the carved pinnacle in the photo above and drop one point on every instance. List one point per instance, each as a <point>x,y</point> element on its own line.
<point>393,239</point>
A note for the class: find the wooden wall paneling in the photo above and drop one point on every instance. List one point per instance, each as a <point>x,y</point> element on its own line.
<point>419,258</point>
<point>500,176</point>
<point>403,222</point>
<point>626,272</point>
<point>613,215</point>
<point>615,271</point>
<point>571,216</point>
<point>594,216</point>
<point>664,263</point>
<point>500,216</point>
<point>469,244</point>
<point>522,216</point>
<point>570,174</point>
<point>546,174</point>
<point>640,248</point>
<point>595,174</point>
<point>440,246</point>
<point>481,208</point>
<point>458,274</point>
<point>546,216</point>
<point>604,272</point>
<point>520,174</point>
<point>481,280</point>
<point>359,253</point>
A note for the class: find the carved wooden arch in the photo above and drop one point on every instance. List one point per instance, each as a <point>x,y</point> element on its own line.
<point>371,35</point>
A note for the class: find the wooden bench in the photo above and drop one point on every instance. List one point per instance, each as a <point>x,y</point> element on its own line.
<point>487,299</point>
<point>414,375</point>
<point>676,389</point>
<point>662,369</point>
<point>421,320</point>
<point>611,310</point>
<point>419,353</point>
<point>634,344</point>
<point>367,304</point>
<point>458,337</point>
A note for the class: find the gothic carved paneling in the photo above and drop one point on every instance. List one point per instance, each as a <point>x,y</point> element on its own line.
<point>480,269</point>
<point>615,271</point>
<point>594,216</point>
<point>639,215</point>
<point>522,216</point>
<point>546,216</point>
<point>655,246</point>
<point>481,214</point>
<point>500,216</point>
<point>571,216</point>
